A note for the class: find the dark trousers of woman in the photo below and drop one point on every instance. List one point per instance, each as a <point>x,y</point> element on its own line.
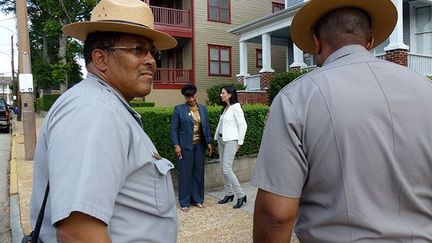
<point>191,176</point>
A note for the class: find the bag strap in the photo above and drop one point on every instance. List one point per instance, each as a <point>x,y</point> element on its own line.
<point>36,231</point>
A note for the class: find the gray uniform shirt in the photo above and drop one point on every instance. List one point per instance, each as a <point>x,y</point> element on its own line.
<point>99,162</point>
<point>353,141</point>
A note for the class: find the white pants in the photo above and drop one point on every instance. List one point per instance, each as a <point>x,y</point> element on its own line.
<point>227,151</point>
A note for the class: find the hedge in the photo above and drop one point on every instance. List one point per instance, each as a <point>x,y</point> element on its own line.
<point>140,103</point>
<point>279,81</point>
<point>157,123</point>
<point>213,93</point>
<point>45,102</point>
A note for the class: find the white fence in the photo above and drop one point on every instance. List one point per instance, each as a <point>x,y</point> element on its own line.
<point>253,82</point>
<point>420,63</point>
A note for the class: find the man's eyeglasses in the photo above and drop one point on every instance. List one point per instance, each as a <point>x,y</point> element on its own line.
<point>140,51</point>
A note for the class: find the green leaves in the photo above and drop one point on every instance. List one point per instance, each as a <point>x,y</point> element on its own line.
<point>280,80</point>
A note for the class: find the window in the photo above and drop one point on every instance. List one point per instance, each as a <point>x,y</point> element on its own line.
<point>219,60</point>
<point>259,58</point>
<point>278,7</point>
<point>219,10</point>
<point>423,30</point>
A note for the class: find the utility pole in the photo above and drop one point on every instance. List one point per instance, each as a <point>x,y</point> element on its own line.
<point>15,82</point>
<point>26,80</point>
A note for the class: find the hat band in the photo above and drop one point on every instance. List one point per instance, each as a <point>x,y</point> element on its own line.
<point>124,22</point>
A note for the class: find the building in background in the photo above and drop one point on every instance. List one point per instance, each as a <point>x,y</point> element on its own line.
<point>206,53</point>
<point>5,91</point>
<point>410,44</point>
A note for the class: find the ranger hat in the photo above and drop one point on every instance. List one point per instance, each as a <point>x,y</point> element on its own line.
<point>126,16</point>
<point>383,15</point>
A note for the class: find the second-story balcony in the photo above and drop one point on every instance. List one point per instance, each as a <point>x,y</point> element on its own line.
<point>172,17</point>
<point>166,77</point>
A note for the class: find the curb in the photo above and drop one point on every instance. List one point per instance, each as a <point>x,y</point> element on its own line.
<point>13,168</point>
<point>15,214</point>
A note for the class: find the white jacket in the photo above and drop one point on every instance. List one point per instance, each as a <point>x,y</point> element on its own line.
<point>234,125</point>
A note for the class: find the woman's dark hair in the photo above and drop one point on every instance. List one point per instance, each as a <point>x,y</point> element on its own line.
<point>233,99</point>
<point>189,90</point>
<point>99,40</point>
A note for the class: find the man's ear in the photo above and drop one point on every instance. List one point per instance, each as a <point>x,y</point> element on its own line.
<point>318,45</point>
<point>100,58</point>
<point>370,43</point>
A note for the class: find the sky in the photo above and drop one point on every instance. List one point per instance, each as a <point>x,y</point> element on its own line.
<point>7,29</point>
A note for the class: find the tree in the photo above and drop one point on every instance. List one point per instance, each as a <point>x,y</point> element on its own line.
<point>53,55</point>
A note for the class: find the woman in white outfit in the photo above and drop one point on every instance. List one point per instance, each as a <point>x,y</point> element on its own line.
<point>230,133</point>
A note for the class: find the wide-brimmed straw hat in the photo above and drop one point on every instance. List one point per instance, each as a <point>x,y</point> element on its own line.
<point>383,15</point>
<point>126,16</point>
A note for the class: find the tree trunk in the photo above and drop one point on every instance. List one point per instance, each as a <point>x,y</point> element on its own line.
<point>62,58</point>
<point>45,55</point>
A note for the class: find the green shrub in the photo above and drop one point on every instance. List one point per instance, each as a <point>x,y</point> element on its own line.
<point>140,103</point>
<point>279,81</point>
<point>157,121</point>
<point>45,102</point>
<point>214,91</point>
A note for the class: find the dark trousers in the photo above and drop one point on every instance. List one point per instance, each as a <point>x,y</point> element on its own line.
<point>191,176</point>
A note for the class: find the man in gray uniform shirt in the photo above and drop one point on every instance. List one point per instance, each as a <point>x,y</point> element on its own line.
<point>107,182</point>
<point>346,153</point>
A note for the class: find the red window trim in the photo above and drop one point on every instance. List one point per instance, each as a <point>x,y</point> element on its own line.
<point>256,58</point>
<point>219,8</point>
<point>278,4</point>
<point>230,60</point>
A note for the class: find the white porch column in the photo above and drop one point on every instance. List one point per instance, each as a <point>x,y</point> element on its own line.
<point>298,58</point>
<point>266,53</point>
<point>396,38</point>
<point>287,65</point>
<point>243,59</point>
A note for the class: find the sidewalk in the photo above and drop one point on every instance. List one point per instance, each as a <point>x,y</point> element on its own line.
<point>213,223</point>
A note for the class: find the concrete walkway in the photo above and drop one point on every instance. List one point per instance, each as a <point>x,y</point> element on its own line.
<point>213,223</point>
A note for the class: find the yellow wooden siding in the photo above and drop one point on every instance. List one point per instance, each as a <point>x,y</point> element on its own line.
<point>209,32</point>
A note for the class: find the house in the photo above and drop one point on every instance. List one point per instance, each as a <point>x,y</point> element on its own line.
<point>5,91</point>
<point>410,43</point>
<point>206,53</point>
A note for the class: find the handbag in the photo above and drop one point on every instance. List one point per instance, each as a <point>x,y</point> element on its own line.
<point>33,237</point>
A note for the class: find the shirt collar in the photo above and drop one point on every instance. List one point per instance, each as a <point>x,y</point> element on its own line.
<point>344,51</point>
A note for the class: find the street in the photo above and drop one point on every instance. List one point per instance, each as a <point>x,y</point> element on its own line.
<point>5,149</point>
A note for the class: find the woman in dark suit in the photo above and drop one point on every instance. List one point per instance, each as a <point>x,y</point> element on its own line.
<point>190,135</point>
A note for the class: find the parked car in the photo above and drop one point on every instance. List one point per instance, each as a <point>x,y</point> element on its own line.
<point>5,116</point>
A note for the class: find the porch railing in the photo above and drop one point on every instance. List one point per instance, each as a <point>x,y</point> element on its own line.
<point>420,63</point>
<point>172,16</point>
<point>172,76</point>
<point>253,82</point>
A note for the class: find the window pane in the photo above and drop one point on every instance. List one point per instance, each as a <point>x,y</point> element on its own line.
<point>225,68</point>
<point>214,13</point>
<point>259,63</point>
<point>259,54</point>
<point>224,3</point>
<point>224,15</point>
<point>225,55</point>
<point>214,67</point>
<point>214,3</point>
<point>214,54</point>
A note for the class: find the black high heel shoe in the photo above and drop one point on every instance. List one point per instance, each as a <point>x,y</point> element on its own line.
<point>226,199</point>
<point>240,202</point>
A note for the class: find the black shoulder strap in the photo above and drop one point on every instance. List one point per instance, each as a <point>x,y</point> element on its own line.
<point>35,233</point>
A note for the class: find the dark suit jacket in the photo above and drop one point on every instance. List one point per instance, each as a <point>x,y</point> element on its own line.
<point>182,126</point>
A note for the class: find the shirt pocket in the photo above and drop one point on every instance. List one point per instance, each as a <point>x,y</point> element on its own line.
<point>164,190</point>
